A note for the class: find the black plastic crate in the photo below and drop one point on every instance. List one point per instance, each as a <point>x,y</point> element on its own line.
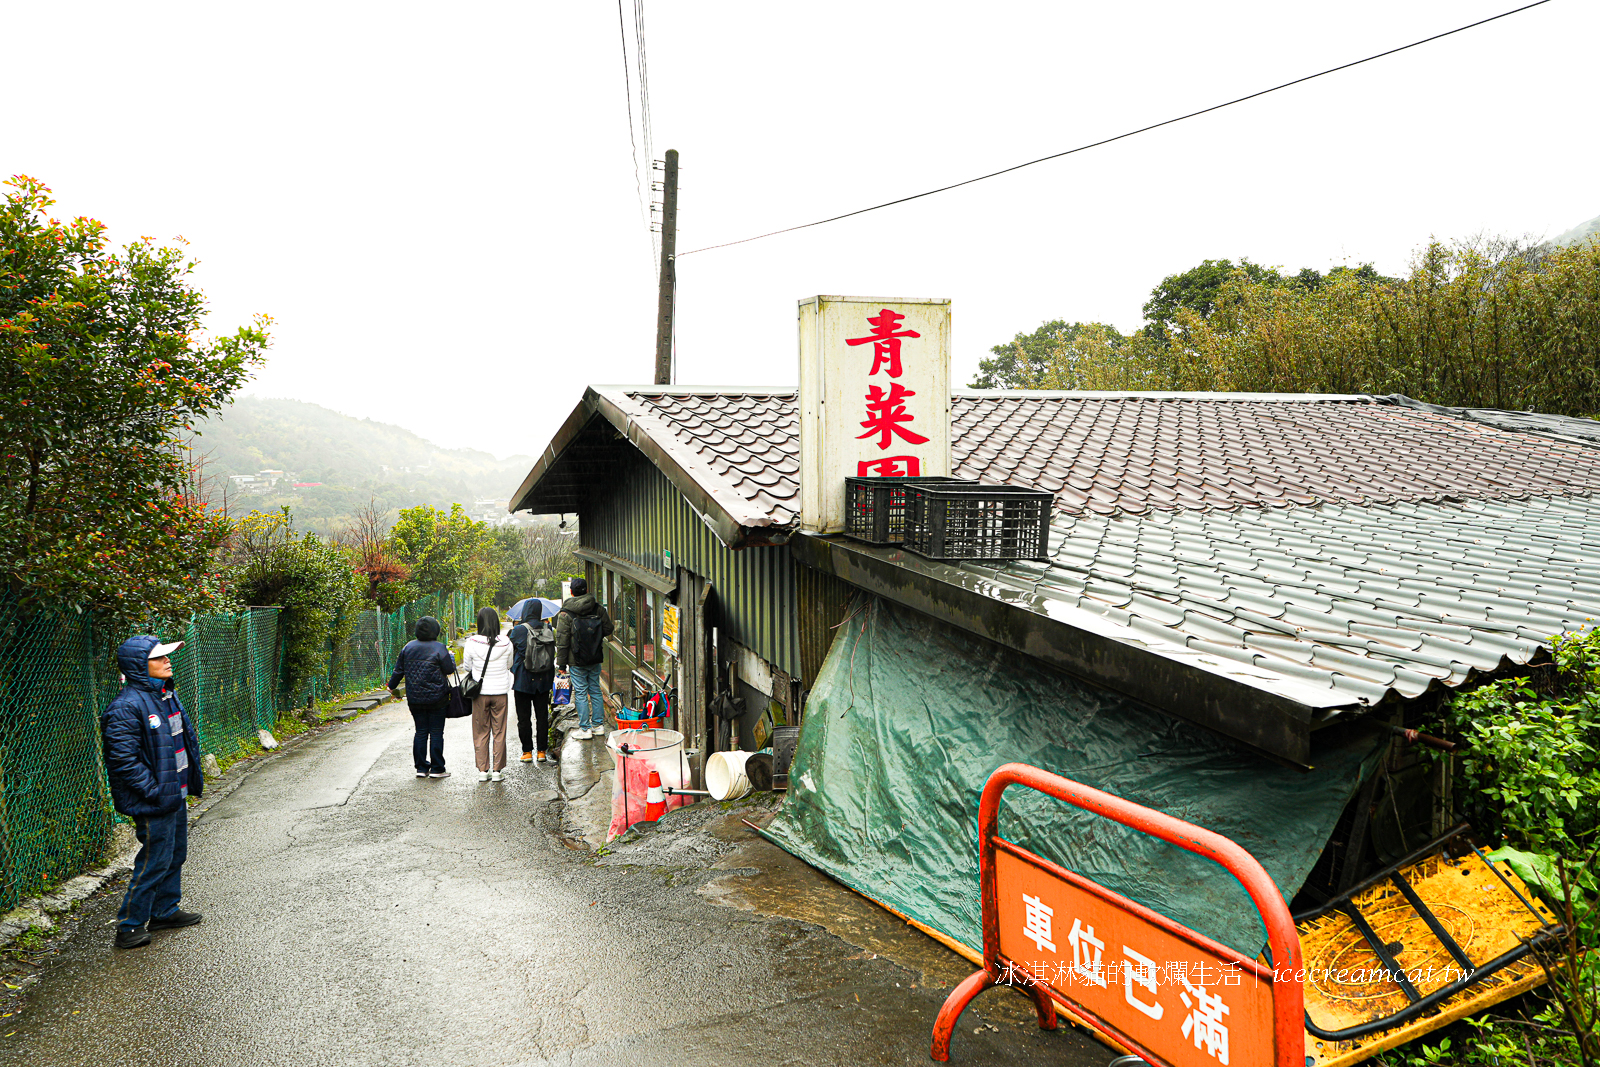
<point>875,508</point>
<point>996,522</point>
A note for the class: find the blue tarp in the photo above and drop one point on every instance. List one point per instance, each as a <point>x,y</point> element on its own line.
<point>910,716</point>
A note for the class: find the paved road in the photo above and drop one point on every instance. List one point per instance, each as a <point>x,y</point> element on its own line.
<point>357,915</point>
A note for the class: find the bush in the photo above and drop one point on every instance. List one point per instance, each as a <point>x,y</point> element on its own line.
<point>309,579</point>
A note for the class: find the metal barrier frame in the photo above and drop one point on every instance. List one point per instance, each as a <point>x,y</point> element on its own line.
<point>1286,974</point>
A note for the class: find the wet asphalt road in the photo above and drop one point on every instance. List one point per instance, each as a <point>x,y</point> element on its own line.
<point>356,915</point>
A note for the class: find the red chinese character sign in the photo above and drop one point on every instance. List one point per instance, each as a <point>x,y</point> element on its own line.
<point>874,396</point>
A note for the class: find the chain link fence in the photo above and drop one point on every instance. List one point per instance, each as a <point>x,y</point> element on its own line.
<point>57,673</point>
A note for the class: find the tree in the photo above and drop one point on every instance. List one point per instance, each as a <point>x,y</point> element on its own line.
<point>1480,323</point>
<point>372,558</point>
<point>103,369</point>
<point>1201,289</point>
<point>447,551</point>
<point>537,558</point>
<point>308,578</point>
<point>1198,289</point>
<point>1033,359</point>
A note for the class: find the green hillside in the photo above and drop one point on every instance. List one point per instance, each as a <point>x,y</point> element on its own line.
<point>1579,232</point>
<point>355,460</point>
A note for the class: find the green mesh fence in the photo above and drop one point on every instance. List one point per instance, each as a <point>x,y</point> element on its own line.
<point>365,658</point>
<point>227,675</point>
<point>56,678</point>
<point>55,807</point>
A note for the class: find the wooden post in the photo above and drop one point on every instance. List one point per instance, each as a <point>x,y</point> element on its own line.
<point>669,242</point>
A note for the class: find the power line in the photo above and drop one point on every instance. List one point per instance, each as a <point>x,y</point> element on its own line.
<point>627,85</point>
<point>641,63</point>
<point>1120,136</point>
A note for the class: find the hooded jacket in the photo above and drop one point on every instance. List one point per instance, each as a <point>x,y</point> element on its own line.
<point>140,747</point>
<point>426,665</point>
<point>572,606</point>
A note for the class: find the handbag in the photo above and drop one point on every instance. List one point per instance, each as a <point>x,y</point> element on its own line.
<point>474,686</point>
<point>455,708</point>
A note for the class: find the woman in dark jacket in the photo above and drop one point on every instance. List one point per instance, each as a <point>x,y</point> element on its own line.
<point>426,665</point>
<point>531,689</point>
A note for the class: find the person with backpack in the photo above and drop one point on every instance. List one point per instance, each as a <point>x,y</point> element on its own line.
<point>533,670</point>
<point>488,662</point>
<point>581,630</point>
<point>426,665</point>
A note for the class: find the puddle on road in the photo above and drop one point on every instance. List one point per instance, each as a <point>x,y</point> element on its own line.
<point>784,887</point>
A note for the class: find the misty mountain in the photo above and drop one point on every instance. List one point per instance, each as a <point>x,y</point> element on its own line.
<point>354,460</point>
<point>1578,232</point>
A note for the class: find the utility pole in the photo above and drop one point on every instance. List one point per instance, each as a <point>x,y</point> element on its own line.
<point>669,242</point>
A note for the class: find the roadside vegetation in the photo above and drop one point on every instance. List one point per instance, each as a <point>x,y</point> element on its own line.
<point>1529,776</point>
<point>1480,323</point>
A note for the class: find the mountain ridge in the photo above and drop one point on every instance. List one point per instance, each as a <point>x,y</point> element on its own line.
<point>355,460</point>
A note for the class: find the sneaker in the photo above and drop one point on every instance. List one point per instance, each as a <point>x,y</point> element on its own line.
<point>527,757</point>
<point>439,774</point>
<point>581,735</point>
<point>497,777</point>
<point>599,731</point>
<point>132,936</point>
<point>483,776</point>
<point>176,919</point>
<point>422,774</point>
<point>541,756</point>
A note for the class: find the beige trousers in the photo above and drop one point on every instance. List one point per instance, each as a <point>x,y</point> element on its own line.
<point>489,717</point>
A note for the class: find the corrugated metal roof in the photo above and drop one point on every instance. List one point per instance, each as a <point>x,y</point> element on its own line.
<point>1331,605</point>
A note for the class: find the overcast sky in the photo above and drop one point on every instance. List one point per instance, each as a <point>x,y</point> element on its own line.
<point>437,203</point>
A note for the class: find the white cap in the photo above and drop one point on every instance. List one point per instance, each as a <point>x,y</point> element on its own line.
<point>166,649</point>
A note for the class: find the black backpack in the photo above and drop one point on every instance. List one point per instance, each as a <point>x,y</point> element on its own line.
<point>539,654</point>
<point>586,638</point>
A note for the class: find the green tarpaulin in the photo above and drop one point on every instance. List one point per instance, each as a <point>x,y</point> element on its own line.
<point>908,719</point>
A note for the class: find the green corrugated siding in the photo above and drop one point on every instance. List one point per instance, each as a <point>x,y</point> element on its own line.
<point>639,515</point>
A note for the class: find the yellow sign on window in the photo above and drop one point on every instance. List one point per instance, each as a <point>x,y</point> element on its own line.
<point>669,628</point>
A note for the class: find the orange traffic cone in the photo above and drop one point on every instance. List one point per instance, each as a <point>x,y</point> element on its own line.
<point>655,804</point>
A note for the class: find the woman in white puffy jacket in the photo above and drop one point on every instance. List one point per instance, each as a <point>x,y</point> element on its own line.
<point>487,655</point>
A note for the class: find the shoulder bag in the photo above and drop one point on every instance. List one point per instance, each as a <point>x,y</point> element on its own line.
<point>474,686</point>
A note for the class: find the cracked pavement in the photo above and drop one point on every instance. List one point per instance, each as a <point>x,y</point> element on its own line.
<point>357,915</point>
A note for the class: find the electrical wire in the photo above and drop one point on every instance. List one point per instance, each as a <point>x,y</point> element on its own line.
<point>641,64</point>
<point>627,86</point>
<point>1120,136</point>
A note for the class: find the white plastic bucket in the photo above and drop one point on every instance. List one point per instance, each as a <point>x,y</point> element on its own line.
<point>725,776</point>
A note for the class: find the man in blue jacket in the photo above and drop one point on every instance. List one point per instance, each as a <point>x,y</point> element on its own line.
<point>153,761</point>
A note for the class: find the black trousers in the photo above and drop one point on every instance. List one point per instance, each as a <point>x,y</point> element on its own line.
<point>527,704</point>
<point>429,721</point>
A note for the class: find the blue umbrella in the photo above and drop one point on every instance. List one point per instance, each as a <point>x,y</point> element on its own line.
<point>547,608</point>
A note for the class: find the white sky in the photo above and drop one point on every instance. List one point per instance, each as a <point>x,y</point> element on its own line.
<point>437,202</point>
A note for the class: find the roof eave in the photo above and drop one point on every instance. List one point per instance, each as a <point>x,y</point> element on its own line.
<point>607,403</point>
<point>1275,725</point>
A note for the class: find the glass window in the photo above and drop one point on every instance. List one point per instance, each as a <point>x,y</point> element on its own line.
<point>647,628</point>
<point>627,616</point>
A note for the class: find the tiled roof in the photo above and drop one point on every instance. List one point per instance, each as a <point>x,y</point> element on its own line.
<point>1135,454</point>
<point>1331,605</point>
<point>1140,453</point>
<point>742,447</point>
<point>1329,550</point>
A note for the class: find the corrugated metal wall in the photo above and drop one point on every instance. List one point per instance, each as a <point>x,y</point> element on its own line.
<point>824,600</point>
<point>639,516</point>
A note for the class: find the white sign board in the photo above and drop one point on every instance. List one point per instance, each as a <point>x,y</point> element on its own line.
<point>874,396</point>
